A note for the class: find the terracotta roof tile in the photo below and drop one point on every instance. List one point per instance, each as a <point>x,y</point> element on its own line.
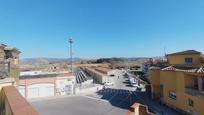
<point>185,52</point>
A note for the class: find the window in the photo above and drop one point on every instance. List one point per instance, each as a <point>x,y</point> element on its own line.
<point>190,102</point>
<point>161,90</point>
<point>188,60</point>
<point>202,77</point>
<point>172,95</point>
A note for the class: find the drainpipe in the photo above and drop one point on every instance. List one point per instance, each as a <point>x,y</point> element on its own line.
<point>200,85</point>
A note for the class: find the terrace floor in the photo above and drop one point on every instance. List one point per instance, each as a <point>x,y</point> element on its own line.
<point>76,105</point>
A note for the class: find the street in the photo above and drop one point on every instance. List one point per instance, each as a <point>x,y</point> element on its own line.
<point>123,95</point>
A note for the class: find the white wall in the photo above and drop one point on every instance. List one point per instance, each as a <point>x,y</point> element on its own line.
<point>88,90</point>
<point>30,73</point>
<point>64,86</point>
<point>40,90</point>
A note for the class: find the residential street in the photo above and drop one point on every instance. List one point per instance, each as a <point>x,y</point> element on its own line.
<point>123,95</point>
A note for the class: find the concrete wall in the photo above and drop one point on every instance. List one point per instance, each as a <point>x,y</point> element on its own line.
<point>88,90</point>
<point>15,73</point>
<point>97,76</point>
<point>139,109</point>
<point>155,83</point>
<point>61,86</point>
<point>12,103</point>
<point>29,82</point>
<point>59,83</point>
<point>15,57</point>
<point>2,54</point>
<point>5,84</point>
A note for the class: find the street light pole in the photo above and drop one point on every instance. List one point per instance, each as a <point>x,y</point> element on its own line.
<point>71,42</point>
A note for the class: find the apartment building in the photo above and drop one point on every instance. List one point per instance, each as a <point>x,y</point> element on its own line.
<point>9,53</point>
<point>180,83</point>
<point>9,70</point>
<point>11,102</point>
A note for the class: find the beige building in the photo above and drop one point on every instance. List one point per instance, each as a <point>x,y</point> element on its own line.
<point>9,70</point>
<point>180,83</point>
<point>97,76</point>
<point>9,53</point>
<point>11,102</point>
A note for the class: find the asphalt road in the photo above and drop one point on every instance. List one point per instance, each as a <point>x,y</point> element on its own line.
<point>77,105</point>
<point>123,95</point>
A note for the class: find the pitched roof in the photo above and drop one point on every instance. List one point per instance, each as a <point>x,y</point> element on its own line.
<point>105,70</point>
<point>170,68</point>
<point>185,52</point>
<point>187,69</point>
<point>7,48</point>
<point>200,70</point>
<point>96,72</point>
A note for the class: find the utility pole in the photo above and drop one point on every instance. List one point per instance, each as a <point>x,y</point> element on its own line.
<point>165,51</point>
<point>71,42</point>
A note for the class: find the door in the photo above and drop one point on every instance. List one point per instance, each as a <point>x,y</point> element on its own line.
<point>40,90</point>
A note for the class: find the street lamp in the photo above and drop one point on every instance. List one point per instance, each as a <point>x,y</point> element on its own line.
<point>71,42</point>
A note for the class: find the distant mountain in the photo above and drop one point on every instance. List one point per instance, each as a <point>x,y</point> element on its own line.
<point>47,60</point>
<point>101,60</point>
<point>109,60</point>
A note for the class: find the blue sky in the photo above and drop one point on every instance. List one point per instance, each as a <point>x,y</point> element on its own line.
<point>102,28</point>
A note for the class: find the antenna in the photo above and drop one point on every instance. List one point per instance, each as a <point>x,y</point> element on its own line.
<point>71,42</point>
<point>165,51</point>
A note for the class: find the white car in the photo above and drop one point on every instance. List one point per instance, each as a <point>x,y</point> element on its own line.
<point>133,82</point>
<point>134,85</point>
<point>108,83</point>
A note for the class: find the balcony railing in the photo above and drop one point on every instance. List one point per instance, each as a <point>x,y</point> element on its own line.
<point>194,92</point>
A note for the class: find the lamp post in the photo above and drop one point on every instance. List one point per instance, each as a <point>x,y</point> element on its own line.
<point>71,42</point>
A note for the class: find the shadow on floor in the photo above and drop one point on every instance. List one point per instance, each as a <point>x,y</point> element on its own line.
<point>121,98</point>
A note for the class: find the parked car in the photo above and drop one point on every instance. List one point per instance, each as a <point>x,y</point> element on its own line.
<point>134,84</point>
<point>133,81</point>
<point>108,83</point>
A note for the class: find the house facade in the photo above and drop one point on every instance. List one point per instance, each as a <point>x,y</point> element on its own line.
<point>9,69</point>
<point>180,83</point>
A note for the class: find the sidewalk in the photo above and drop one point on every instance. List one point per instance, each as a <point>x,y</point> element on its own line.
<point>154,106</point>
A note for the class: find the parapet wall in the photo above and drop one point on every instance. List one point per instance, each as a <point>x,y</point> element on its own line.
<point>12,103</point>
<point>139,109</point>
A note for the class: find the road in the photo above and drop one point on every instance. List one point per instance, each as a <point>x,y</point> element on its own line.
<point>122,95</point>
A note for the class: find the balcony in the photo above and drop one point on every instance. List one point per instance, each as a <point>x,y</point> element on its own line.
<point>194,92</point>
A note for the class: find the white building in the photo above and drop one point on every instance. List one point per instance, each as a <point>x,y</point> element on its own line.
<point>46,85</point>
